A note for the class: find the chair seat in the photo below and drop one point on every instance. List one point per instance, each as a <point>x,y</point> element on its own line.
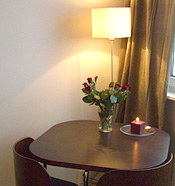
<point>59,182</point>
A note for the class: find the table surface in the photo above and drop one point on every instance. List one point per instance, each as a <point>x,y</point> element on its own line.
<point>79,144</point>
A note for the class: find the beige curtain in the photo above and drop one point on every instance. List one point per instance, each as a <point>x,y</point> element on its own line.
<point>144,61</point>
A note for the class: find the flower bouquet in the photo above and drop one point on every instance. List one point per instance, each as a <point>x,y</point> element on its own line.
<point>105,100</point>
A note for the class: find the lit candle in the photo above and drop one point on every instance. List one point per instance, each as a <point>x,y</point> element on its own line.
<point>137,126</point>
<point>137,119</point>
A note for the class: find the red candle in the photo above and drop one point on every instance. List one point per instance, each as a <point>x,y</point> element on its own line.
<point>137,126</point>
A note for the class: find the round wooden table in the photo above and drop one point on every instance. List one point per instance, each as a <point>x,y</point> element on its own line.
<point>79,144</point>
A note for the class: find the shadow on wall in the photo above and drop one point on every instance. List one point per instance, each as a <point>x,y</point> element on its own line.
<point>73,34</point>
<point>75,24</point>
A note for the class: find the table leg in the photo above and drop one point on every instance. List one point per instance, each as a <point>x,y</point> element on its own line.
<point>86,175</point>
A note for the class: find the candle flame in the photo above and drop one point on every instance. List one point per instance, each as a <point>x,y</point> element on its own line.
<point>137,119</point>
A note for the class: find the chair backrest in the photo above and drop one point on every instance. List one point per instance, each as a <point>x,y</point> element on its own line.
<point>157,176</point>
<point>28,172</point>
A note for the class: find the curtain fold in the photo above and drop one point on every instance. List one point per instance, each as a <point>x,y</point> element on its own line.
<point>144,61</point>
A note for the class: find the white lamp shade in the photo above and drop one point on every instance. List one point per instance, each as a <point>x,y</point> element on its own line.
<point>111,22</point>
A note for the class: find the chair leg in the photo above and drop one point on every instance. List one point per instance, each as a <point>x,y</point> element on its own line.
<point>45,166</point>
<point>85,176</point>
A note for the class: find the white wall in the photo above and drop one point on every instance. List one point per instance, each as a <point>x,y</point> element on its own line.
<point>46,53</point>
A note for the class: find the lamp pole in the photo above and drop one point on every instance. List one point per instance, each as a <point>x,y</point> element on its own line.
<point>112,58</point>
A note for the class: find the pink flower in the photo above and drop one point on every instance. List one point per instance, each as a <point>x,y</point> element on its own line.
<point>88,88</point>
<point>89,80</point>
<point>117,86</point>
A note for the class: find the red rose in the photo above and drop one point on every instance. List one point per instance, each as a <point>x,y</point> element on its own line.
<point>88,88</point>
<point>85,84</point>
<point>89,80</point>
<point>126,87</point>
<point>117,86</point>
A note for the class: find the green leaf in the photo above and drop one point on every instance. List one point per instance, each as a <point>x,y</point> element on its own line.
<point>111,92</point>
<point>104,96</point>
<point>106,91</point>
<point>90,96</point>
<point>113,99</point>
<point>108,105</point>
<point>102,105</point>
<point>85,91</point>
<point>97,97</point>
<point>111,84</point>
<point>92,103</point>
<point>96,77</point>
<point>86,99</point>
<point>96,92</point>
<point>117,83</point>
<point>93,85</point>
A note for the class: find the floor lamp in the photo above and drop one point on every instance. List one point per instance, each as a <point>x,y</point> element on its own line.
<point>111,23</point>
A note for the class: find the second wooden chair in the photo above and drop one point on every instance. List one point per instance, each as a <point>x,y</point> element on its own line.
<point>29,172</point>
<point>157,176</point>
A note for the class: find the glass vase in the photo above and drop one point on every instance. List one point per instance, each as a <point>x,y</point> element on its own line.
<point>106,117</point>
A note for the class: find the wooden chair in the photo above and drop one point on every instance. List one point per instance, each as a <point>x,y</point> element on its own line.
<point>158,176</point>
<point>29,172</point>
